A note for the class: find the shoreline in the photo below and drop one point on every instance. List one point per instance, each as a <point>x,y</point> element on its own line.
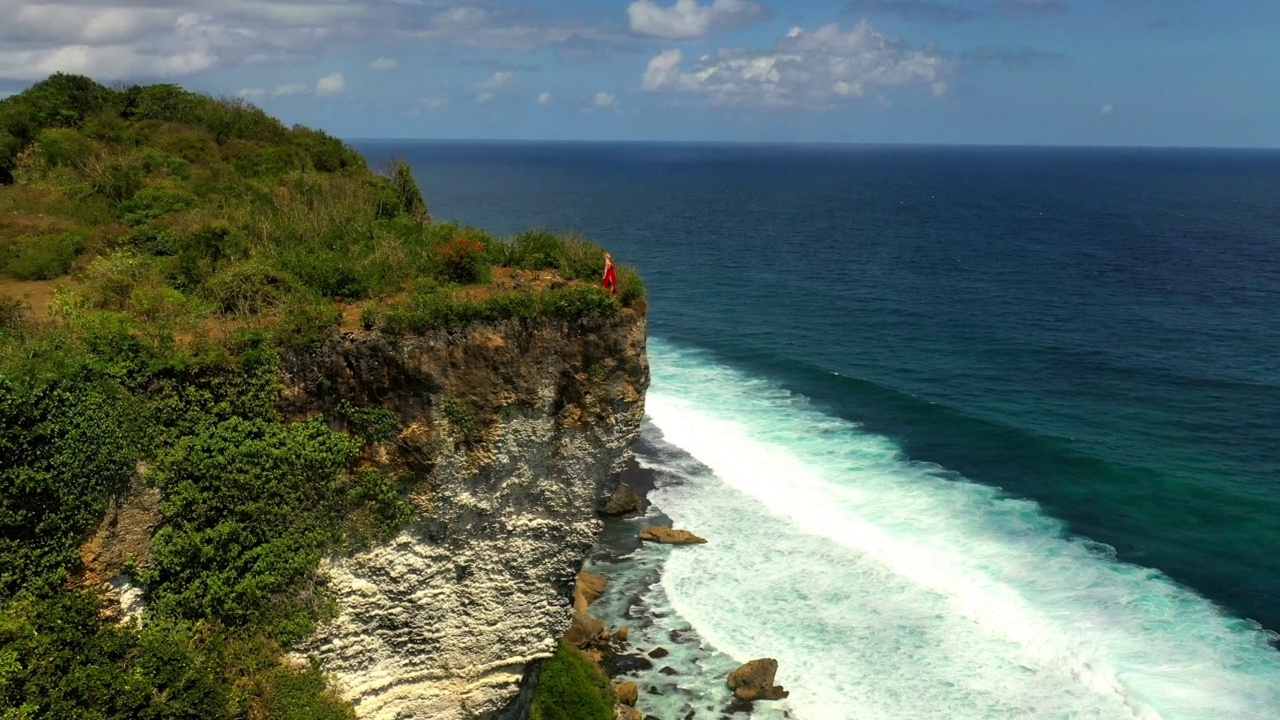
<point>679,676</point>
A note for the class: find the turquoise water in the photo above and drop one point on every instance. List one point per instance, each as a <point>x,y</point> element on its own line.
<point>972,432</point>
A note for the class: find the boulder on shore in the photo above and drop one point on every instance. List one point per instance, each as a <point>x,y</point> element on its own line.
<point>587,589</point>
<point>628,693</point>
<point>754,681</point>
<point>624,500</point>
<point>669,536</point>
<point>585,630</point>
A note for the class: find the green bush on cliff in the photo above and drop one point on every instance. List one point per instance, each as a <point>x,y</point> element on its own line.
<point>194,241</point>
<point>61,660</point>
<point>65,446</point>
<point>571,687</point>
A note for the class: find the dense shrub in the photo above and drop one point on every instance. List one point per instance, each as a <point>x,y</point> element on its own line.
<point>571,687</point>
<point>64,446</point>
<point>156,200</point>
<point>249,288</point>
<point>464,261</point>
<point>448,310</point>
<point>249,506</point>
<point>60,659</point>
<point>42,257</point>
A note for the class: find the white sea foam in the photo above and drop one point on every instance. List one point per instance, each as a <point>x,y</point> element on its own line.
<point>888,588</point>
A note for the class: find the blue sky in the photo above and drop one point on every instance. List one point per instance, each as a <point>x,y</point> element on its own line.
<point>1060,72</point>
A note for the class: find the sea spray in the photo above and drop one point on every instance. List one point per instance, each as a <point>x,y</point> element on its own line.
<point>893,588</point>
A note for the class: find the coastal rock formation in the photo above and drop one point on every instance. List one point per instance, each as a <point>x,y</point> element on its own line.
<point>754,681</point>
<point>628,693</point>
<point>669,536</point>
<point>624,500</point>
<point>512,434</point>
<point>585,630</point>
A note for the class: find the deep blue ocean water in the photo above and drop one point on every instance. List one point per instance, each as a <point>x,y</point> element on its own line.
<point>999,426</point>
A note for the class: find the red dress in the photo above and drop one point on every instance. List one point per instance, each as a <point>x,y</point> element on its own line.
<point>610,281</point>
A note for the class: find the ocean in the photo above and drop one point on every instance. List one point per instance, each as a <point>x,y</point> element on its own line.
<point>972,432</point>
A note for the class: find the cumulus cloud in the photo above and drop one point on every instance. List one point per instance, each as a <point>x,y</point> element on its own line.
<point>290,89</point>
<point>500,79</point>
<point>252,93</point>
<point>544,98</point>
<point>334,84</point>
<point>142,39</point>
<point>686,19</point>
<point>604,100</point>
<point>804,69</point>
<point>146,40</point>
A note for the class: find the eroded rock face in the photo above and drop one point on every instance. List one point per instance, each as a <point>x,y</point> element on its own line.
<point>122,538</point>
<point>624,500</point>
<point>513,434</point>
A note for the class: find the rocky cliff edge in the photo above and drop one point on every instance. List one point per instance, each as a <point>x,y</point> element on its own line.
<point>511,435</point>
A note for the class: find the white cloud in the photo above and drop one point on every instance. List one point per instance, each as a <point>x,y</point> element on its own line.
<point>251,92</point>
<point>804,69</point>
<point>604,100</point>
<point>686,19</point>
<point>663,71</point>
<point>290,89</point>
<point>1108,109</point>
<point>333,84</point>
<point>499,79</point>
<point>544,98</point>
<point>484,97</point>
<point>433,103</point>
<point>146,39</point>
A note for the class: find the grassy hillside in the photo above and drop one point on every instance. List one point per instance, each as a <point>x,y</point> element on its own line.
<point>159,250</point>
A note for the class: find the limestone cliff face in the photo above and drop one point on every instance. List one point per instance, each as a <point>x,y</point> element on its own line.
<point>512,434</point>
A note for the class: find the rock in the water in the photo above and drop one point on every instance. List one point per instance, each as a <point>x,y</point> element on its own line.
<point>585,630</point>
<point>754,681</point>
<point>623,664</point>
<point>623,501</point>
<point>658,652</point>
<point>627,692</point>
<point>669,536</point>
<point>588,588</point>
<point>668,670</point>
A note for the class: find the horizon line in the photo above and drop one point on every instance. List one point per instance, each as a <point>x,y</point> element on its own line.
<point>810,143</point>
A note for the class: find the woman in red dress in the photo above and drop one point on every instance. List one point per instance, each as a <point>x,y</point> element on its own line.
<point>610,280</point>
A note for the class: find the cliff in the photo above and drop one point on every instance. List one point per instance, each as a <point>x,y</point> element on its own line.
<point>512,433</point>
<point>232,357</point>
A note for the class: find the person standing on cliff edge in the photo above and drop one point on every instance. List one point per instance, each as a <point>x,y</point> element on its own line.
<point>610,280</point>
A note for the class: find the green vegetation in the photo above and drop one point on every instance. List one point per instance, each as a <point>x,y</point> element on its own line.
<point>183,244</point>
<point>571,687</point>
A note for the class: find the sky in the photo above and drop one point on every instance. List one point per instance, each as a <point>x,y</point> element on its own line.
<point>1042,72</point>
